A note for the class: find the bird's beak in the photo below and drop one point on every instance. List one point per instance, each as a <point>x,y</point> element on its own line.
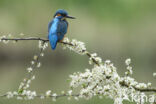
<point>70,17</point>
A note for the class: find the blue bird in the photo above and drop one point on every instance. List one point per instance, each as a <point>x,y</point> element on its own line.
<point>57,28</point>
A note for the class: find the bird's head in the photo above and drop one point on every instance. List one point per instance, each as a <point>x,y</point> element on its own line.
<point>62,14</point>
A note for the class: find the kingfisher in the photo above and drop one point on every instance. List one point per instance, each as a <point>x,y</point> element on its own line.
<point>57,28</point>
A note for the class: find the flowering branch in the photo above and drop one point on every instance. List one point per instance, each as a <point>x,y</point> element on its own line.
<point>101,80</point>
<point>34,64</point>
<point>41,96</point>
<point>123,83</point>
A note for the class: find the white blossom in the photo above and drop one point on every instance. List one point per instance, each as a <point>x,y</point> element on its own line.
<point>76,46</point>
<point>141,85</point>
<point>15,93</point>
<point>45,45</point>
<point>33,77</point>
<point>35,57</point>
<point>149,84</point>
<point>70,92</point>
<point>29,95</point>
<point>42,54</point>
<point>94,55</point>
<point>128,61</point>
<point>54,94</point>
<point>29,81</point>
<point>66,40</point>
<point>118,101</point>
<point>42,45</point>
<point>27,86</point>
<point>38,64</point>
<point>32,62</point>
<point>29,69</point>
<point>10,95</point>
<point>48,93</point>
<point>107,61</point>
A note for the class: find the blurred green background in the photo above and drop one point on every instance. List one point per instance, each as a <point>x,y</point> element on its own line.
<point>114,29</point>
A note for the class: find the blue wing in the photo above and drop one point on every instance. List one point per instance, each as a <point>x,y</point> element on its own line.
<point>62,29</point>
<point>52,36</point>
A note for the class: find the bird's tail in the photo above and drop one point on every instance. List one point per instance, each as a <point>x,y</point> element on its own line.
<point>53,41</point>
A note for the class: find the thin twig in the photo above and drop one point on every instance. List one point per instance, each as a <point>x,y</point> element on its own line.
<point>30,38</point>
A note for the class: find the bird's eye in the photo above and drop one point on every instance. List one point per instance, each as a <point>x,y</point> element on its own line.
<point>63,15</point>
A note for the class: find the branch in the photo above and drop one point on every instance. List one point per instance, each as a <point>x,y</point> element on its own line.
<point>26,82</point>
<point>79,48</point>
<point>29,38</point>
<point>139,89</point>
<point>41,96</point>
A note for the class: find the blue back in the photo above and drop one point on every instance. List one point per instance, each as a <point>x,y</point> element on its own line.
<point>58,27</point>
